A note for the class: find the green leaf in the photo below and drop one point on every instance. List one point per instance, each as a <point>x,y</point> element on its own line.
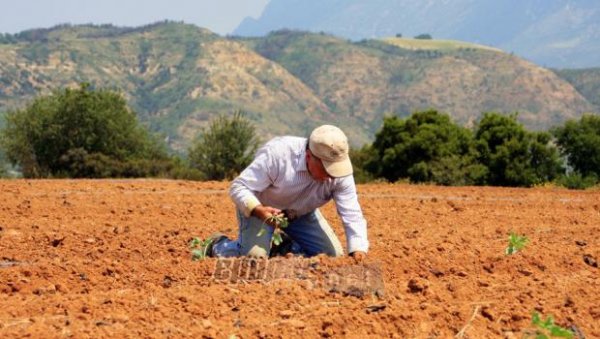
<point>535,318</point>
<point>277,238</point>
<point>557,331</point>
<point>198,254</point>
<point>261,232</point>
<point>195,242</point>
<point>515,243</point>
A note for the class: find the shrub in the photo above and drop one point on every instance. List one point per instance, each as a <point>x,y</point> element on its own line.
<point>224,149</point>
<point>426,147</point>
<point>514,156</point>
<point>579,142</point>
<point>576,181</point>
<point>80,133</point>
<point>424,36</point>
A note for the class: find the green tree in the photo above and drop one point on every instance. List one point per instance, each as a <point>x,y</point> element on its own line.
<point>426,147</point>
<point>224,149</point>
<point>513,155</point>
<point>424,36</point>
<point>3,165</point>
<point>81,133</point>
<point>360,158</point>
<point>579,142</point>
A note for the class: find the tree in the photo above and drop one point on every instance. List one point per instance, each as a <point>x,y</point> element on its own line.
<point>360,158</point>
<point>224,149</point>
<point>579,143</point>
<point>80,133</point>
<point>3,165</point>
<point>426,147</point>
<point>424,36</point>
<point>514,156</point>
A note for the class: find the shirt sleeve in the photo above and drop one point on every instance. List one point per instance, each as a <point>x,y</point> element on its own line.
<point>259,175</point>
<point>349,210</point>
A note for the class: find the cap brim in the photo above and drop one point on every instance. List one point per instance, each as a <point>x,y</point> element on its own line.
<point>339,168</point>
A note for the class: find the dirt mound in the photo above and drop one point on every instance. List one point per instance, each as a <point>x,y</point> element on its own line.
<point>111,258</point>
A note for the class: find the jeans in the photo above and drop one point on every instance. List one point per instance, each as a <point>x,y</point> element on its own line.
<point>311,231</point>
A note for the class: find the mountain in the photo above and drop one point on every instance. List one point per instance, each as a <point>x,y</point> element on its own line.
<point>585,81</point>
<point>177,77</point>
<point>553,33</point>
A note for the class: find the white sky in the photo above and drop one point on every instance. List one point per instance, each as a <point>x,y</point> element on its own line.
<point>220,16</point>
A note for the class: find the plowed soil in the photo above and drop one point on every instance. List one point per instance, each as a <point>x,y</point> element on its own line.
<point>110,259</point>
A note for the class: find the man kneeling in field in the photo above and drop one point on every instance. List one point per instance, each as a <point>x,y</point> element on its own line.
<point>293,177</point>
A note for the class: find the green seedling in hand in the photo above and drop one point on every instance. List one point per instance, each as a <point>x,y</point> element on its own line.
<point>280,221</point>
<point>515,243</point>
<point>547,328</point>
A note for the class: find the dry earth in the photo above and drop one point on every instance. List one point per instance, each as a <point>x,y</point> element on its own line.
<point>110,258</point>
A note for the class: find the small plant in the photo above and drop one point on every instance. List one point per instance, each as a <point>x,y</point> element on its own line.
<point>547,328</point>
<point>515,243</point>
<point>198,248</point>
<point>280,221</point>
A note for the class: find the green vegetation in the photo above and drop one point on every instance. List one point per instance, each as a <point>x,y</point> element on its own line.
<point>3,165</point>
<point>513,155</point>
<point>302,53</point>
<point>81,133</point>
<point>199,247</point>
<point>224,149</point>
<point>516,243</point>
<point>424,36</point>
<point>177,76</point>
<point>429,147</point>
<point>89,133</point>
<point>579,143</point>
<point>281,222</point>
<point>426,147</point>
<point>547,328</point>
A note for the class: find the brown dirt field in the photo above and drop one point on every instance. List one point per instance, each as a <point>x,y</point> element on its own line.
<point>109,258</point>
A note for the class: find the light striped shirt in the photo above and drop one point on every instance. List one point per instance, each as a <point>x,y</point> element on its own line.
<point>278,177</point>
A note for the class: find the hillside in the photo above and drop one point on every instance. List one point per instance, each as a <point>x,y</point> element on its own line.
<point>371,78</point>
<point>177,76</point>
<point>556,33</point>
<point>586,81</point>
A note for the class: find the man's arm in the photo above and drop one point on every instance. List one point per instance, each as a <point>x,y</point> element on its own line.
<point>255,178</point>
<point>349,210</point>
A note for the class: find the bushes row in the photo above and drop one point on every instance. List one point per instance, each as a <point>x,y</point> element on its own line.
<point>88,133</point>
<point>499,151</point>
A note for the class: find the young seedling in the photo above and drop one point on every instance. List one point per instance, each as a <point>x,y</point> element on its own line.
<point>280,221</point>
<point>198,248</point>
<point>515,243</point>
<point>547,328</point>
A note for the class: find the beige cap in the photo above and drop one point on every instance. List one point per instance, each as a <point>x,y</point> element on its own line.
<point>330,144</point>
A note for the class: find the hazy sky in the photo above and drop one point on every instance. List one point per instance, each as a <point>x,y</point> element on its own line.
<point>220,16</point>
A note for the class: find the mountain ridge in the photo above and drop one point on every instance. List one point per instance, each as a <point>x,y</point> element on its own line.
<point>178,76</point>
<point>548,32</point>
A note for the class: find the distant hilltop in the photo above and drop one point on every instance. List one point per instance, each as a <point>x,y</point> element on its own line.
<point>551,33</point>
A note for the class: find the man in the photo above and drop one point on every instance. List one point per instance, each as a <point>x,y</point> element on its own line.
<point>294,176</point>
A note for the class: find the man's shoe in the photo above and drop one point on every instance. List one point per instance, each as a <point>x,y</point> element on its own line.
<point>204,249</point>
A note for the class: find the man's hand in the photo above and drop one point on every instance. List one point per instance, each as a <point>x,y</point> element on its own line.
<point>265,212</point>
<point>359,256</point>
